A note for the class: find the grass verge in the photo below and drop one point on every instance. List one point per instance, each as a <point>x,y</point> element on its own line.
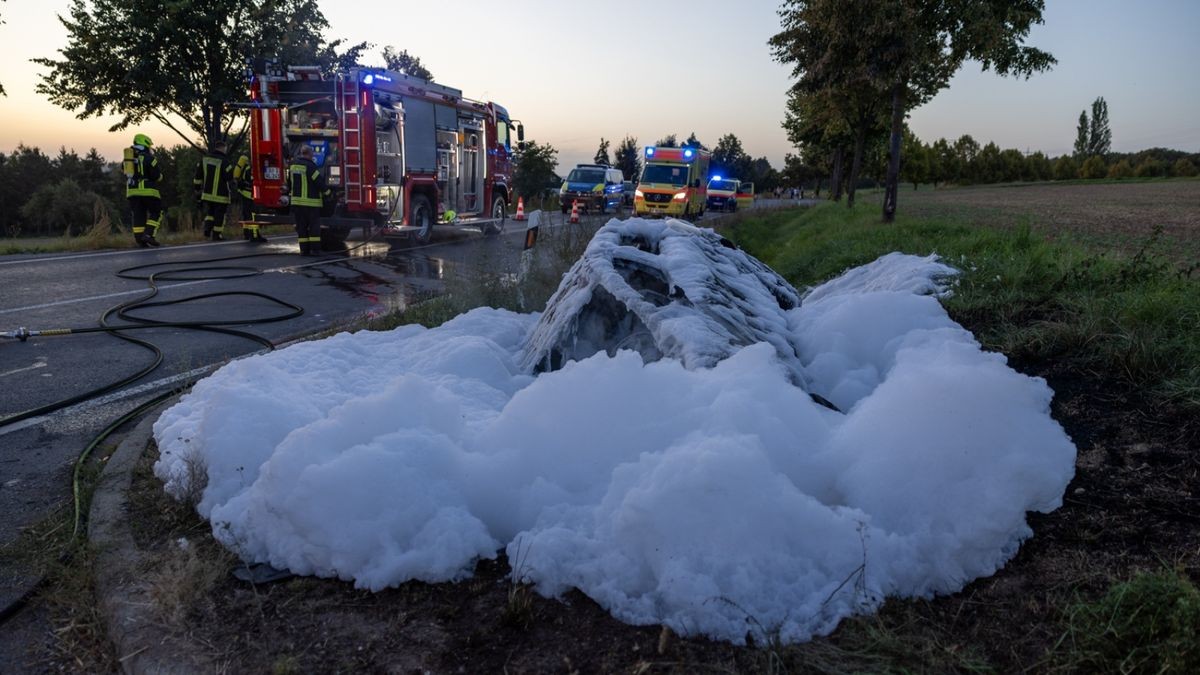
<point>1133,315</point>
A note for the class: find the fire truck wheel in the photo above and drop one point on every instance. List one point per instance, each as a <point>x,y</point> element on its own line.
<point>500,214</point>
<point>422,218</point>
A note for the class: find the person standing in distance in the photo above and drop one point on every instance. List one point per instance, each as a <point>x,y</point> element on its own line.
<point>212,182</point>
<point>306,191</point>
<point>141,189</point>
<point>243,177</point>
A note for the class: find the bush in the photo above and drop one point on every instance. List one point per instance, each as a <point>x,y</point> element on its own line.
<point>61,208</point>
<point>1149,624</point>
<point>1183,168</point>
<point>1093,168</point>
<point>1150,168</point>
<point>1121,170</point>
<point>1065,168</point>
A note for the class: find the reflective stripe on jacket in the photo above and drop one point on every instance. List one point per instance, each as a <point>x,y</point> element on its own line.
<point>146,174</point>
<point>306,184</point>
<point>212,178</point>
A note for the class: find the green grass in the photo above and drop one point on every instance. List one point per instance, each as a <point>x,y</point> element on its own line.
<point>1148,624</point>
<point>1130,316</point>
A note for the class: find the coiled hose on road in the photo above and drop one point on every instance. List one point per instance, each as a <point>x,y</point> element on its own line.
<point>186,271</point>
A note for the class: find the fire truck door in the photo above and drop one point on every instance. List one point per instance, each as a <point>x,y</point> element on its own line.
<point>470,170</point>
<point>447,170</point>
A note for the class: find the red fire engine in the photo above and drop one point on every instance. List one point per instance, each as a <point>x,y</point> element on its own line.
<point>400,153</point>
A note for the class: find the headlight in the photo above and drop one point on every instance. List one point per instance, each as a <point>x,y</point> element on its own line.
<point>680,196</point>
<point>638,194</point>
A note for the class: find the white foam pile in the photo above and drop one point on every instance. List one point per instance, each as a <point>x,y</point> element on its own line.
<point>717,497</point>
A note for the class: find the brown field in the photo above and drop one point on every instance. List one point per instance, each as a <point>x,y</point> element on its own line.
<point>1103,215</point>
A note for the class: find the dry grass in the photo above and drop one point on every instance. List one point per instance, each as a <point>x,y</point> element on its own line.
<point>181,581</point>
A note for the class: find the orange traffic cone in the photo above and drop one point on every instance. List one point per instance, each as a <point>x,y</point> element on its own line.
<point>520,209</point>
<point>574,212</point>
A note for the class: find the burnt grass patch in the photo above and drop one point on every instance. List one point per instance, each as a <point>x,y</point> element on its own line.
<point>1131,507</point>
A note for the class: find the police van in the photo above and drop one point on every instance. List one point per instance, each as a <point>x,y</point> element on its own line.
<point>594,186</point>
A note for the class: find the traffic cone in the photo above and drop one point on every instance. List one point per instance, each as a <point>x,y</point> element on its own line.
<point>574,212</point>
<point>520,209</point>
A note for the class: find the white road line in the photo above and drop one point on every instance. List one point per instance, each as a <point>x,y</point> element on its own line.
<point>140,291</point>
<point>39,364</point>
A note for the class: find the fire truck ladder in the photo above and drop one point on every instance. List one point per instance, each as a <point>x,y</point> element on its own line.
<point>350,114</point>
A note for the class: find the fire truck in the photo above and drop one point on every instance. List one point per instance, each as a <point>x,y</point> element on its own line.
<point>400,154</point>
<point>674,182</point>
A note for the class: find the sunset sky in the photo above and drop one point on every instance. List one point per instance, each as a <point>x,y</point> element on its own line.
<point>647,69</point>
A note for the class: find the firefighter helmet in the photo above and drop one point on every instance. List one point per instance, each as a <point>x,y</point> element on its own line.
<point>143,140</point>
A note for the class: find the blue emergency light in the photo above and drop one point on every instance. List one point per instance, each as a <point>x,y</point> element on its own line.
<point>649,151</point>
<point>716,178</point>
<point>687,154</point>
<point>368,79</point>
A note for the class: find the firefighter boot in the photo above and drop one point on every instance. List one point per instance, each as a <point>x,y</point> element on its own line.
<point>141,240</point>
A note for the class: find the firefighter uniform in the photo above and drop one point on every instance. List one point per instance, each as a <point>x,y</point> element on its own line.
<point>243,177</point>
<point>306,192</point>
<point>141,189</point>
<point>212,182</point>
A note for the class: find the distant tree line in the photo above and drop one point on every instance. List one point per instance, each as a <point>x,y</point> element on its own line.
<point>66,194</point>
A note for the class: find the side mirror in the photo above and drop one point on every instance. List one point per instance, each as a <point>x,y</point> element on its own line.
<point>520,132</point>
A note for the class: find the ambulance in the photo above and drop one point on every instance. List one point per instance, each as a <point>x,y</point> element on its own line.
<point>673,183</point>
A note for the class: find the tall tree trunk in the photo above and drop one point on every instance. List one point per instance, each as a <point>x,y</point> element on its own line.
<point>892,184</point>
<point>835,185</point>
<point>860,138</point>
<point>819,188</point>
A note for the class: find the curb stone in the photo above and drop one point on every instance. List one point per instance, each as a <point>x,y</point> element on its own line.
<point>142,644</point>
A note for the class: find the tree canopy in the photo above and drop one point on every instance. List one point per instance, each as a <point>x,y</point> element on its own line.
<point>602,153</point>
<point>903,52</point>
<point>628,158</point>
<point>535,169</point>
<point>179,62</point>
<point>405,63</point>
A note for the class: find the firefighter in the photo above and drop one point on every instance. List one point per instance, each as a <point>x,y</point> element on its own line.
<point>306,193</point>
<point>212,181</point>
<point>243,176</point>
<point>141,189</point>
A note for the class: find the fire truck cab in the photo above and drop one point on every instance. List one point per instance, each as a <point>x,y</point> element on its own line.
<point>673,183</point>
<point>400,154</point>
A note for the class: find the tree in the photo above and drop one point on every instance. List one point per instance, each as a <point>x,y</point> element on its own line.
<point>915,167</point>
<point>1093,137</point>
<point>535,168</point>
<point>909,49</point>
<point>693,142</point>
<point>61,208</point>
<point>628,158</point>
<point>1093,167</point>
<point>405,63</point>
<point>2,92</point>
<point>1183,168</point>
<point>1099,135</point>
<point>602,153</point>
<point>1121,170</point>
<point>1150,168</point>
<point>1081,137</point>
<point>178,62</point>
<point>1038,167</point>
<point>728,156</point>
<point>667,141</point>
<point>1065,168</point>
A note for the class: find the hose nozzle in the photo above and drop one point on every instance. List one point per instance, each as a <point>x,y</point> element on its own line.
<point>21,334</point>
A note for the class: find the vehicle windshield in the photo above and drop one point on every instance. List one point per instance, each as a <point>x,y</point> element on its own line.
<point>586,176</point>
<point>665,173</point>
<point>727,185</point>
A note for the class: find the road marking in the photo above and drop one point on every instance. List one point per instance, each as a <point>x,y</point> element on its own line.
<point>105,254</point>
<point>140,291</point>
<point>39,364</point>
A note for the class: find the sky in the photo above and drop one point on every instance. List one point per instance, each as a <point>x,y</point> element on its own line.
<point>647,69</point>
<point>705,490</point>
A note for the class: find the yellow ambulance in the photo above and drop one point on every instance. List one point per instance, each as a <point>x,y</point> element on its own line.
<point>674,182</point>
